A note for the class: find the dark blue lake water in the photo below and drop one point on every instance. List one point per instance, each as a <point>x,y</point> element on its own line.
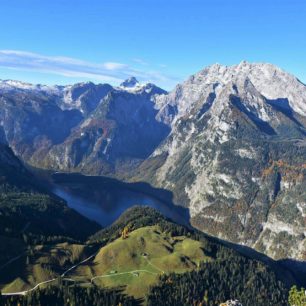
<point>105,207</point>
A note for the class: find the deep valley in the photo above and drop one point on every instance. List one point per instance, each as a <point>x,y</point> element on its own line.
<point>148,197</point>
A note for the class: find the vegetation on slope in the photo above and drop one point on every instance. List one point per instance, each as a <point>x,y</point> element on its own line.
<point>146,256</point>
<point>31,220</point>
<point>59,296</point>
<point>146,253</point>
<point>27,210</point>
<point>297,297</point>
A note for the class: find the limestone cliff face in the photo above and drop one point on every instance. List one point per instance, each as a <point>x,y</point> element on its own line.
<point>236,155</point>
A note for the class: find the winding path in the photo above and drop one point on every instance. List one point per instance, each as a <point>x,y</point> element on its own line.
<point>20,255</point>
<point>12,260</point>
<point>130,272</point>
<point>47,281</point>
<point>122,273</point>
<point>73,267</point>
<point>150,263</point>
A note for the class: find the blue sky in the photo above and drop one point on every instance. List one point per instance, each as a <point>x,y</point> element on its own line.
<point>163,41</point>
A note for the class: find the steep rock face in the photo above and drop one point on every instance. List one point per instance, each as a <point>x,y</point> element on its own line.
<point>84,96</point>
<point>269,80</point>
<point>32,122</point>
<point>236,155</point>
<point>120,132</point>
<point>88,127</point>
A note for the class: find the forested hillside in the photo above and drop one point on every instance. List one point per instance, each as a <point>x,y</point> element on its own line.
<point>159,262</point>
<point>29,211</point>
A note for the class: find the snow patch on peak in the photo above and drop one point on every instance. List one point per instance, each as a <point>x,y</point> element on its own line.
<point>14,85</point>
<point>133,86</point>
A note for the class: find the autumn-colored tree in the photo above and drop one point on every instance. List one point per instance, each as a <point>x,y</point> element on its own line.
<point>297,297</point>
<point>125,232</point>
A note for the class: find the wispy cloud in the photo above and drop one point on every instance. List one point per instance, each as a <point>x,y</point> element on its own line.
<point>113,72</point>
<point>140,61</point>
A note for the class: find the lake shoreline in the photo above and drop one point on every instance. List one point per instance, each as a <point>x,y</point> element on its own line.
<point>104,199</point>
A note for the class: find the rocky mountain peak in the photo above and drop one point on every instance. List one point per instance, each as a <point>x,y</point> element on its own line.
<point>249,79</point>
<point>237,135</point>
<point>130,82</point>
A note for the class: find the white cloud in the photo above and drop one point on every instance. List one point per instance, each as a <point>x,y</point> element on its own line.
<point>114,66</point>
<point>75,68</point>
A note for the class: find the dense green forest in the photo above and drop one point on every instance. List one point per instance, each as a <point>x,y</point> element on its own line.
<point>230,277</point>
<point>76,296</point>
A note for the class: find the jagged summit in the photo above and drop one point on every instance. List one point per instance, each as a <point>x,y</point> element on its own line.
<point>133,86</point>
<point>267,80</point>
<point>130,82</point>
<point>260,71</point>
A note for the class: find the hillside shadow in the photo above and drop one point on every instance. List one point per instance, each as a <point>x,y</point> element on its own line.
<point>262,125</point>
<point>297,267</point>
<point>282,105</point>
<point>207,105</point>
<point>13,271</point>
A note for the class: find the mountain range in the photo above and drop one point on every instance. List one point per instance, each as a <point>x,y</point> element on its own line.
<point>228,143</point>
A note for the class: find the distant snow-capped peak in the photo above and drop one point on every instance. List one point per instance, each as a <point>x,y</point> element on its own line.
<point>132,85</point>
<point>14,85</point>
